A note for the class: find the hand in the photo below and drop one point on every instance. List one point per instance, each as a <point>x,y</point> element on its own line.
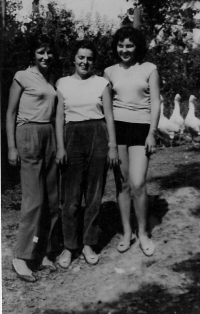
<point>61,157</point>
<point>113,158</point>
<point>13,157</point>
<point>150,144</point>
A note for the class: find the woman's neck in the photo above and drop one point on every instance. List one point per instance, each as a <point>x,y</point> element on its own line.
<point>80,77</point>
<point>44,72</point>
<point>128,65</point>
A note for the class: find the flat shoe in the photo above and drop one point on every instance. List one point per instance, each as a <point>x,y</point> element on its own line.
<point>63,261</point>
<point>123,247</point>
<point>148,249</point>
<point>28,278</point>
<point>91,259</point>
<point>47,264</point>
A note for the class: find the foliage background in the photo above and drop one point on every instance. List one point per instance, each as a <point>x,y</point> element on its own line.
<point>179,71</point>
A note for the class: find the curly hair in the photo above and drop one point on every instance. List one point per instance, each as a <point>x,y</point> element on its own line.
<point>135,36</point>
<point>87,44</point>
<point>39,40</point>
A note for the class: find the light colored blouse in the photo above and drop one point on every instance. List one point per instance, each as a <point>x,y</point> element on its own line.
<point>131,92</point>
<point>37,102</point>
<point>82,98</point>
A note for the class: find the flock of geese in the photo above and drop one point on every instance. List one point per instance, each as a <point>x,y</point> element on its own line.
<point>173,128</point>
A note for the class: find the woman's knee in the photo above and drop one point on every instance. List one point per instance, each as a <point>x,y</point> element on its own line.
<point>137,188</point>
<point>122,184</point>
<point>126,186</point>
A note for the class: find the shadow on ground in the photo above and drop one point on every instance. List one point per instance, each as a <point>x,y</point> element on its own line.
<point>158,208</point>
<point>150,299</point>
<point>196,212</point>
<point>185,175</point>
<point>109,223</point>
<point>110,220</point>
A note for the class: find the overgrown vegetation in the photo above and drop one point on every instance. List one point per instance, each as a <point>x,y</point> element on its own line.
<point>179,71</point>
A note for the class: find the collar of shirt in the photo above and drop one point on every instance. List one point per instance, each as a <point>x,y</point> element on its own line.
<point>34,70</point>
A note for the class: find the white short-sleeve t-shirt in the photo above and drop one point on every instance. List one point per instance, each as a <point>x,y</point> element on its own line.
<point>131,92</point>
<point>82,98</point>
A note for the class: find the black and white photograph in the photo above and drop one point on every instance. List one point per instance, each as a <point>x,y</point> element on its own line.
<point>100,156</point>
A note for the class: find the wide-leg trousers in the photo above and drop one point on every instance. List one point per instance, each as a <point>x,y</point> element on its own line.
<point>39,182</point>
<point>86,145</point>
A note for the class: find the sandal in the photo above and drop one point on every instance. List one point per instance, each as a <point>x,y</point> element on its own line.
<point>91,259</point>
<point>63,261</point>
<point>46,263</point>
<point>148,249</point>
<point>125,246</point>
<point>26,277</point>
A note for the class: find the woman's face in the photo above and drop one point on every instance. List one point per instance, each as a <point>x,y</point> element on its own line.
<point>43,58</point>
<point>126,51</point>
<point>84,61</point>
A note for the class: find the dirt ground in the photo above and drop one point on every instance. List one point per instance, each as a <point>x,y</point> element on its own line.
<point>168,282</point>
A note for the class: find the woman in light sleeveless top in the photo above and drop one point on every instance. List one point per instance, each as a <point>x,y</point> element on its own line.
<point>31,143</point>
<point>136,105</point>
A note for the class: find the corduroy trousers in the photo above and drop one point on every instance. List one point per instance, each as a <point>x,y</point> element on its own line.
<point>86,144</point>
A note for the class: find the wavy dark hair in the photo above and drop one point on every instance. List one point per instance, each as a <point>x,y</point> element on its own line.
<point>41,40</point>
<point>135,36</point>
<point>87,44</point>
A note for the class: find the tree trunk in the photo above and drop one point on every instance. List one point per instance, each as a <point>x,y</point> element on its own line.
<point>3,13</point>
<point>137,18</point>
<point>35,6</point>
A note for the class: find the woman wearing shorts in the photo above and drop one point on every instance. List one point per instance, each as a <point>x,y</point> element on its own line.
<point>136,105</point>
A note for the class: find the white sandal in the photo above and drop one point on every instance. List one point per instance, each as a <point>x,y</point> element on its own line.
<point>91,259</point>
<point>148,249</point>
<point>63,261</point>
<point>123,247</point>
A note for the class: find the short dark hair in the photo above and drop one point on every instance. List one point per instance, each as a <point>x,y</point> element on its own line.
<point>41,40</point>
<point>87,44</point>
<point>135,36</point>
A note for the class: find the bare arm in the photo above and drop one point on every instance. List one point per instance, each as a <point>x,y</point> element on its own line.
<point>106,77</point>
<point>14,97</point>
<point>61,156</point>
<point>108,112</point>
<point>155,111</point>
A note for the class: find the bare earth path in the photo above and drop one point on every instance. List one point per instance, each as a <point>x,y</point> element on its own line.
<point>168,282</point>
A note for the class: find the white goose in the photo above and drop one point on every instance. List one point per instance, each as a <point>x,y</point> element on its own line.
<point>176,116</point>
<point>192,123</point>
<point>166,128</point>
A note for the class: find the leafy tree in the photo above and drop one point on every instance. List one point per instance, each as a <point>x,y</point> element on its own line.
<point>162,21</point>
<point>61,25</point>
<point>168,28</point>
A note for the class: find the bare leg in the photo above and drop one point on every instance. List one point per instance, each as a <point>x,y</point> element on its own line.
<point>123,193</point>
<point>138,166</point>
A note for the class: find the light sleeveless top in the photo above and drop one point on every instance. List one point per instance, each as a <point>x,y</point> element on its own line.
<point>131,92</point>
<point>37,102</point>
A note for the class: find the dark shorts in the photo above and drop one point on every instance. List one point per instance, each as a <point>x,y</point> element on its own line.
<point>131,134</point>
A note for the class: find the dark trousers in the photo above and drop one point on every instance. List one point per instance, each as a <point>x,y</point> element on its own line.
<point>39,182</point>
<point>86,144</point>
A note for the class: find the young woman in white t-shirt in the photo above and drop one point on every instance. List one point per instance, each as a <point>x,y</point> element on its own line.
<point>136,105</point>
<point>84,139</point>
